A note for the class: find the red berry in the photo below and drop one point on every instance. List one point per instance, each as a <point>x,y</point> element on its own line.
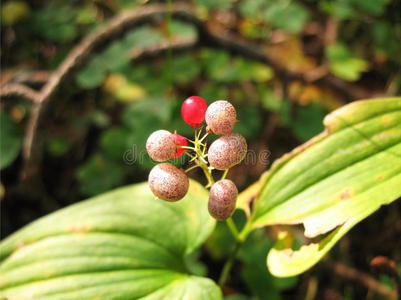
<point>193,111</point>
<point>180,141</point>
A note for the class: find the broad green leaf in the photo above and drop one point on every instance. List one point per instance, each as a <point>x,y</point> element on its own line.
<point>333,181</point>
<point>125,244</point>
<point>11,140</point>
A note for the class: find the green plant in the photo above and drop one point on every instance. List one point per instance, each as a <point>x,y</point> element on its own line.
<point>126,244</point>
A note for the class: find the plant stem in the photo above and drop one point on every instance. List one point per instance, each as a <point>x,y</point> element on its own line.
<point>191,168</point>
<point>224,174</point>
<point>239,240</point>
<point>208,173</point>
<point>232,227</point>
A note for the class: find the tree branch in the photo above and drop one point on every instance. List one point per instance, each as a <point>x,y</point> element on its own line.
<point>363,278</point>
<point>124,21</point>
<point>78,56</point>
<point>388,267</point>
<point>178,46</point>
<point>19,90</point>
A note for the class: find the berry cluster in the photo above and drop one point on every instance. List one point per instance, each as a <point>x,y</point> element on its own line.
<point>170,183</point>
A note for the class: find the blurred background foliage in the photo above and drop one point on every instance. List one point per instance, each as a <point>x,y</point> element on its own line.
<point>97,126</point>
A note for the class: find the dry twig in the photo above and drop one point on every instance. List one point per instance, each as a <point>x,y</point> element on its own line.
<point>363,278</point>
<point>388,267</point>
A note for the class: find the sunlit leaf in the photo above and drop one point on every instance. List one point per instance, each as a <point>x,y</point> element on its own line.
<point>125,244</point>
<point>14,11</point>
<point>119,87</point>
<point>335,180</point>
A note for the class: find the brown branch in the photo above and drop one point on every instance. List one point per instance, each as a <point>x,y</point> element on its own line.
<point>363,278</point>
<point>34,77</point>
<point>80,54</point>
<point>178,46</point>
<point>19,90</point>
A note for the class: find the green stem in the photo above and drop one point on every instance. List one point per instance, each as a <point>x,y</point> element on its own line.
<point>187,147</point>
<point>240,239</point>
<point>191,168</point>
<point>208,173</point>
<point>224,174</point>
<point>232,227</point>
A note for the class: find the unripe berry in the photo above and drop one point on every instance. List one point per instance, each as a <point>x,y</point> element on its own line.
<point>167,182</point>
<point>193,111</point>
<point>222,199</point>
<point>221,117</point>
<point>161,145</point>
<point>180,141</point>
<point>227,151</point>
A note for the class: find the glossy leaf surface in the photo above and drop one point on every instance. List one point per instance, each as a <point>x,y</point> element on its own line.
<point>124,244</point>
<point>333,181</point>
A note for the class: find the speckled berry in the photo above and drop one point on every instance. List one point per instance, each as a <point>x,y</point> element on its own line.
<point>227,151</point>
<point>161,145</point>
<point>167,182</point>
<point>221,117</point>
<point>222,199</point>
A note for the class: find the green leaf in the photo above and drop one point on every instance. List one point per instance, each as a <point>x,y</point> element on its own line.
<point>11,140</point>
<point>343,64</point>
<point>254,273</point>
<point>115,141</point>
<point>307,122</point>
<point>250,123</point>
<point>59,145</point>
<point>93,74</point>
<point>185,68</point>
<point>14,11</point>
<point>60,29</point>
<point>290,16</point>
<point>99,175</point>
<point>334,180</point>
<point>372,7</point>
<point>125,244</point>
